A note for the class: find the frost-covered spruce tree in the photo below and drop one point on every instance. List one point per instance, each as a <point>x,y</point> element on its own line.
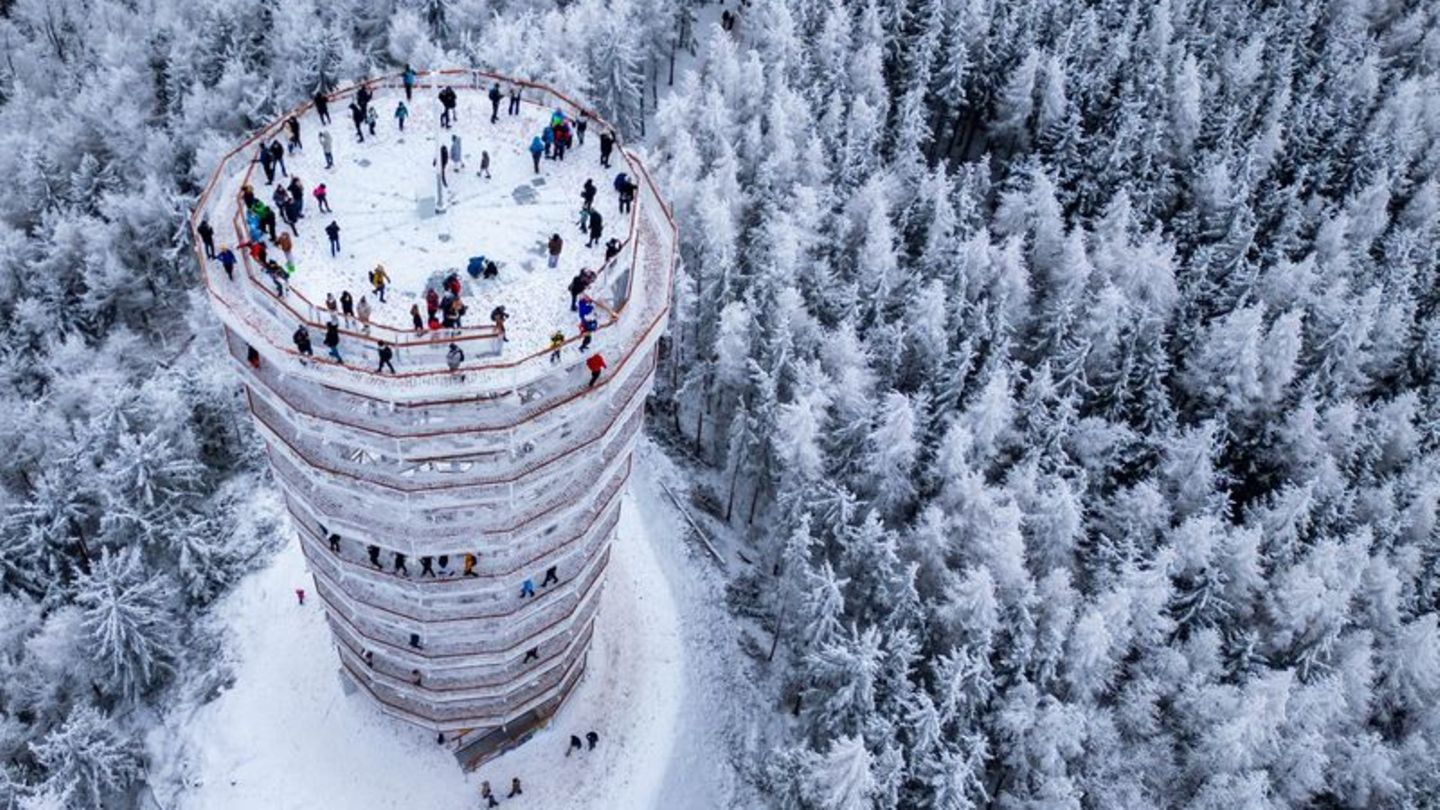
<point>88,764</point>
<point>1161,310</point>
<point>129,617</point>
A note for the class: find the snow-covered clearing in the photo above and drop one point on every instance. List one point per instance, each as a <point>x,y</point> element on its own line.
<point>656,689</point>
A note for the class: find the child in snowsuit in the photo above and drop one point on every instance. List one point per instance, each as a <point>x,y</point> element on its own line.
<point>554,247</point>
<point>378,279</point>
<point>498,316</point>
<point>401,113</point>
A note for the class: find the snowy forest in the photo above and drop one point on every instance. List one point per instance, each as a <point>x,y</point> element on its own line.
<point>1068,370</point>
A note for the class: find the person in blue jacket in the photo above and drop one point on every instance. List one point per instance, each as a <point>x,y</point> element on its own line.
<point>548,137</point>
<point>227,260</point>
<point>409,79</point>
<point>537,148</point>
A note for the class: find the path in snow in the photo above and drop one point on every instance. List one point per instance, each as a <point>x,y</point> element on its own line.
<point>286,735</point>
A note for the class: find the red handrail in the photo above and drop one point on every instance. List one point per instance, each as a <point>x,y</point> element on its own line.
<point>626,155</point>
<point>571,675</point>
<point>315,539</point>
<point>583,599</point>
<point>307,457</point>
<point>541,598</point>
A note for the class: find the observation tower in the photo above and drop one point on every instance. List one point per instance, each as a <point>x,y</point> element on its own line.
<point>428,502</point>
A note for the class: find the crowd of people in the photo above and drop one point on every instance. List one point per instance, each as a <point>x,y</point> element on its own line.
<point>445,308</point>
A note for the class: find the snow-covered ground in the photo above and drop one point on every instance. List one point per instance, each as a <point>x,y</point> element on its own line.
<point>659,688</point>
<point>382,194</point>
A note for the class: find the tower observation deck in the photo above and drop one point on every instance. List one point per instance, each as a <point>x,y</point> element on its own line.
<point>426,500</point>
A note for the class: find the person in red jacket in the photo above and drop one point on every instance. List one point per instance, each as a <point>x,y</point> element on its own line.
<point>596,364</point>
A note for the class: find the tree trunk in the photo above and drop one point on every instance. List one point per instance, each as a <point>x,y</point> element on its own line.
<point>779,623</point>
<point>674,45</point>
<point>84,547</point>
<point>699,424</point>
<point>755,498</point>
<point>734,485</point>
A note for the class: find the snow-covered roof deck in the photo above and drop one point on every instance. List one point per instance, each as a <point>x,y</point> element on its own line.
<point>382,193</point>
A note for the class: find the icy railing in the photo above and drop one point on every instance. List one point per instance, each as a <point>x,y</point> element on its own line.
<point>483,643</point>
<point>466,674</point>
<point>450,588</point>
<point>449,596</point>
<point>266,316</point>
<point>369,431</point>
<point>369,425</point>
<point>488,457</point>
<point>542,689</point>
<point>510,622</point>
<point>498,555</point>
<point>513,684</point>
<point>458,607</point>
<point>449,512</point>
<point>444,701</point>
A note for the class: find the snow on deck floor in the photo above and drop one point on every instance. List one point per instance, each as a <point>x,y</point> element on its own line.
<point>382,191</point>
<point>286,735</point>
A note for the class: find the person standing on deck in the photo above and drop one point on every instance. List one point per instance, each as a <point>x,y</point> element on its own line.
<point>597,228</point>
<point>495,103</point>
<point>607,144</point>
<point>327,145</point>
<point>357,115</point>
<point>554,247</point>
<point>596,364</point>
<point>362,311</point>
<point>332,341</point>
<point>207,237</point>
<point>378,280</point>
